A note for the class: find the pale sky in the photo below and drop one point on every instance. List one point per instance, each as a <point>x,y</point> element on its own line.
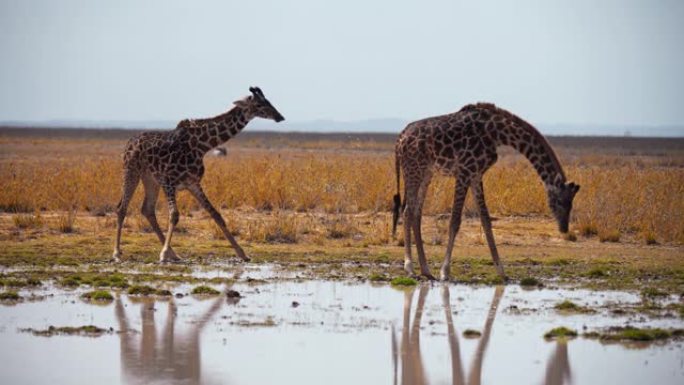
<point>611,62</point>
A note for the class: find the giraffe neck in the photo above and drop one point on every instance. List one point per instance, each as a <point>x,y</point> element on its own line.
<point>220,129</point>
<point>522,136</point>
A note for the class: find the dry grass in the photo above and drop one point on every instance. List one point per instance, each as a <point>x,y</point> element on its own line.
<point>28,221</point>
<point>620,194</point>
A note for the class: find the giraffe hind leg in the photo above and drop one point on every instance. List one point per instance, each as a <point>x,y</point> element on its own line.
<point>415,196</point>
<point>131,181</point>
<point>408,218</point>
<point>149,205</point>
<point>417,219</point>
<point>167,254</point>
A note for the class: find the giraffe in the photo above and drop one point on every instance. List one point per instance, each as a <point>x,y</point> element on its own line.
<point>172,161</point>
<point>464,145</point>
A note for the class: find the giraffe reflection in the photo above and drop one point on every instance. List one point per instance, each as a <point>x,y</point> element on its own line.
<point>173,358</point>
<point>558,368</point>
<point>412,370</point>
<point>169,357</point>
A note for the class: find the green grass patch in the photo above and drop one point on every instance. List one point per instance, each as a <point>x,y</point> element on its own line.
<point>680,310</point>
<point>141,290</point>
<point>597,272</point>
<point>9,296</point>
<point>98,295</point>
<point>559,262</point>
<point>403,281</point>
<point>470,333</point>
<point>652,292</point>
<point>375,277</point>
<point>13,282</point>
<point>205,290</point>
<point>70,282</point>
<point>116,280</point>
<point>113,280</point>
<point>560,332</point>
<point>631,333</point>
<point>571,307</point>
<point>529,282</point>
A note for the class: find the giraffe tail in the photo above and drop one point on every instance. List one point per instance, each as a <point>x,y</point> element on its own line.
<point>397,198</point>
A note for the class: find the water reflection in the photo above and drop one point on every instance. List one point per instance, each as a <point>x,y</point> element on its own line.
<point>171,356</point>
<point>558,367</point>
<point>407,354</point>
<point>412,369</point>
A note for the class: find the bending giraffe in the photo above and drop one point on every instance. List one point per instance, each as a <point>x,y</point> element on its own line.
<point>172,161</point>
<point>463,145</point>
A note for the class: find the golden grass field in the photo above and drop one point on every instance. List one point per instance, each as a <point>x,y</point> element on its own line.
<point>326,199</point>
<point>633,191</point>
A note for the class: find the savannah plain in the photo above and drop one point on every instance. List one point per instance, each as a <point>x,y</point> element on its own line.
<point>320,203</point>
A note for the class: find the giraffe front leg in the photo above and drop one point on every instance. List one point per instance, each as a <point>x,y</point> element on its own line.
<point>417,219</point>
<point>198,193</point>
<point>487,225</point>
<point>460,193</point>
<point>167,254</point>
<point>422,260</point>
<point>131,180</point>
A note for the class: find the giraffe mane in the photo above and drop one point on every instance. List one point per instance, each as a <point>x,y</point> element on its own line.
<point>523,124</point>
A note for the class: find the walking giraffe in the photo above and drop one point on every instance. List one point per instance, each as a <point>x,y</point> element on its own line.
<point>463,145</point>
<point>173,161</point>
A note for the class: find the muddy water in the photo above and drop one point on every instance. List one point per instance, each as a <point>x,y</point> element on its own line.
<point>339,333</point>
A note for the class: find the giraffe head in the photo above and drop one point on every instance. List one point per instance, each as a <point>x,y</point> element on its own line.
<point>257,105</point>
<point>560,196</point>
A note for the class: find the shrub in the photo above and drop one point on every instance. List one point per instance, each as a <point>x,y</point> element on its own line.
<point>609,236</point>
<point>28,221</point>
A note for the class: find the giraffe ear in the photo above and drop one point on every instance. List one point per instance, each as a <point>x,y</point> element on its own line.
<point>574,187</point>
<point>256,92</point>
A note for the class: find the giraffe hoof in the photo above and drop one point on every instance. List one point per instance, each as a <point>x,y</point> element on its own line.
<point>429,276</point>
<point>116,257</point>
<point>168,256</point>
<point>444,275</point>
<point>408,268</point>
<point>241,254</point>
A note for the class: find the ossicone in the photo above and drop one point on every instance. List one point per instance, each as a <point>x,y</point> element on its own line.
<point>256,91</point>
